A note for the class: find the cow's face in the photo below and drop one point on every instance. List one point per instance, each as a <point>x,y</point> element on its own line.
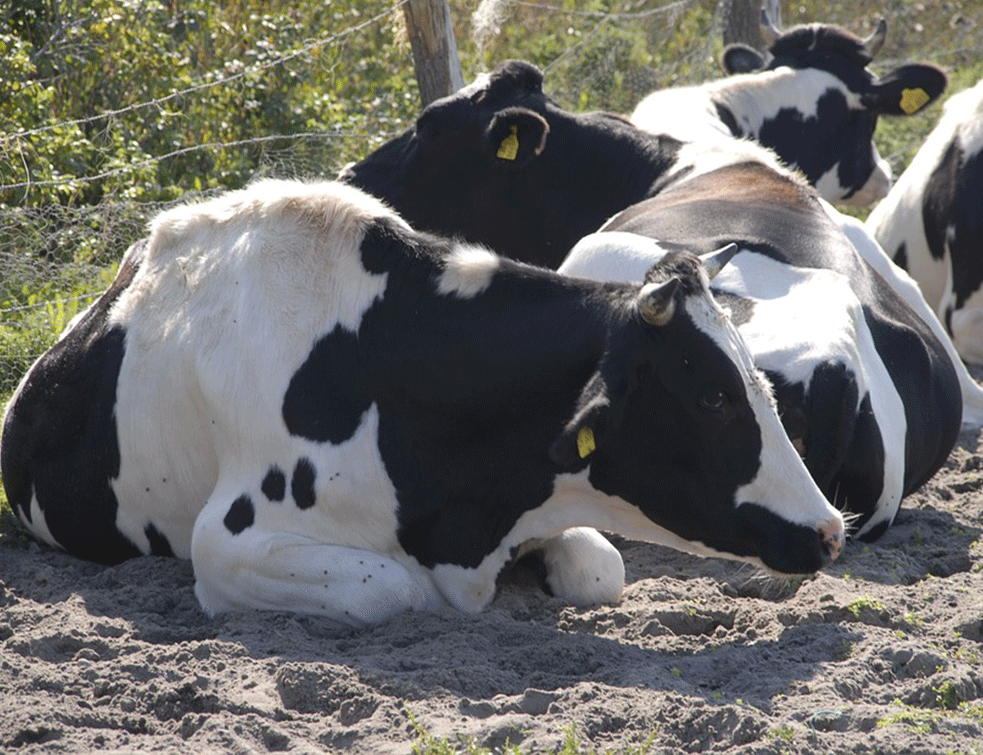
<point>679,423</point>
<point>498,163</point>
<point>826,103</point>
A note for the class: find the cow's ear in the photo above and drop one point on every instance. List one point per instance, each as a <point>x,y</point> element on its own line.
<point>516,136</point>
<point>741,58</point>
<point>579,439</point>
<point>906,90</point>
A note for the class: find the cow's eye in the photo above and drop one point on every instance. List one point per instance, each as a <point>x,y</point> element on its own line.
<point>713,400</point>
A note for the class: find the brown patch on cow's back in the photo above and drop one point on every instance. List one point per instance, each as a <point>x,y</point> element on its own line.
<point>751,182</point>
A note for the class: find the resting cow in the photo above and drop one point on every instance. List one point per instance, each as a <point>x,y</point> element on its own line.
<point>331,413</point>
<point>931,222</point>
<point>499,163</point>
<point>813,101</point>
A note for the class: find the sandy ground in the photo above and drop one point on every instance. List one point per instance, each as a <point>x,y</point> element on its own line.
<point>882,652</point>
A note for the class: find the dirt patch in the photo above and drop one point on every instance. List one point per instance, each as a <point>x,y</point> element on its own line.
<point>883,652</point>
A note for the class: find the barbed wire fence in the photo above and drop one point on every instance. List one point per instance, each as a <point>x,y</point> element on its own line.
<point>55,258</point>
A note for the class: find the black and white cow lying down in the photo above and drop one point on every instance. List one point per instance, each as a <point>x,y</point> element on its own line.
<point>499,163</point>
<point>331,413</point>
<point>813,101</point>
<point>931,222</point>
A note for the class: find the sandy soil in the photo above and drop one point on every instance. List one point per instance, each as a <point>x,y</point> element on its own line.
<point>883,652</point>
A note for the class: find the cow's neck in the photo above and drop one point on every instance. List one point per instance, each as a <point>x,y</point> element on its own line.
<point>751,98</point>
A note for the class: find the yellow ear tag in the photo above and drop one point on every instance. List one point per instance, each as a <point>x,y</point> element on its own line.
<point>585,442</point>
<point>912,100</point>
<point>509,147</point>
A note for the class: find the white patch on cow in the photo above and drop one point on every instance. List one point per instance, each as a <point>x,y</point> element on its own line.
<point>276,264</point>
<point>468,270</point>
<point>685,113</point>
<point>39,525</point>
<point>612,256</point>
<point>582,567</point>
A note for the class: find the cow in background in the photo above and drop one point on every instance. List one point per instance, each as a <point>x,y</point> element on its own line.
<point>812,100</point>
<point>931,222</point>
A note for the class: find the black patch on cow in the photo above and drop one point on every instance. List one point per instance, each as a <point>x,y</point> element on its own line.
<point>790,400</point>
<point>831,412</point>
<point>795,550</point>
<point>901,256</point>
<point>241,515</point>
<point>726,116</point>
<point>325,400</point>
<point>384,246</point>
<point>302,484</point>
<point>740,307</point>
<point>953,220</point>
<point>859,479</point>
<point>939,199</point>
<point>875,532</point>
<point>845,136</point>
<point>159,544</point>
<point>59,436</point>
<point>274,484</point>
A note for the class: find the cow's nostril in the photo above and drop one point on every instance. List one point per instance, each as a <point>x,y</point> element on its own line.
<point>831,533</point>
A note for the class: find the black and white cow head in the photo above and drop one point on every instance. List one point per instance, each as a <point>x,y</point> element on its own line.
<point>812,99</point>
<point>827,133</point>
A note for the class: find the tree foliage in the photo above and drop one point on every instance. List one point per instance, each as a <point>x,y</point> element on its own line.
<point>133,98</point>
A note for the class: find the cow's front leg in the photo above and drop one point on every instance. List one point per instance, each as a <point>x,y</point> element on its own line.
<point>582,567</point>
<point>241,561</point>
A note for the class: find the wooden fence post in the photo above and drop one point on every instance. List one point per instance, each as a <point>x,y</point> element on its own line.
<point>438,69</point>
<point>741,20</point>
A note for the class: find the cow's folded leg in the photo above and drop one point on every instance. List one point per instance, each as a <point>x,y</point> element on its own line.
<point>245,567</point>
<point>582,567</point>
